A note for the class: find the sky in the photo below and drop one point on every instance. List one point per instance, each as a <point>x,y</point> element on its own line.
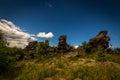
<point>80,20</point>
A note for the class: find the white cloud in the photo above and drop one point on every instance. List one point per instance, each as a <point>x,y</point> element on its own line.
<point>76,47</point>
<point>14,35</point>
<point>45,35</point>
<point>33,38</point>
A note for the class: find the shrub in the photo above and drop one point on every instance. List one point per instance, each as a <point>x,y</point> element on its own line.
<point>100,54</point>
<point>3,42</point>
<point>42,48</point>
<point>86,46</point>
<point>116,51</point>
<point>7,55</point>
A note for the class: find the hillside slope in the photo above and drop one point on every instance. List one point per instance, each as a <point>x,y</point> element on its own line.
<point>64,67</point>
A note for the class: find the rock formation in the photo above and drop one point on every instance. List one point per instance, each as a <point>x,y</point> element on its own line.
<point>100,40</point>
<point>80,51</point>
<point>30,48</point>
<point>62,45</point>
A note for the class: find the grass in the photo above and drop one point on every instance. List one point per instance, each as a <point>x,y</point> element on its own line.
<point>98,72</point>
<point>62,68</point>
<point>113,57</point>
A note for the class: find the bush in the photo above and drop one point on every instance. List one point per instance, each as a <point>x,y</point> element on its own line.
<point>3,42</point>
<point>7,55</point>
<point>86,46</point>
<point>100,54</point>
<point>116,51</point>
<point>42,48</point>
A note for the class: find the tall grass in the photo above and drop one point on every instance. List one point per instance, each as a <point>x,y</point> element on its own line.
<point>98,72</point>
<point>36,72</point>
<point>61,68</point>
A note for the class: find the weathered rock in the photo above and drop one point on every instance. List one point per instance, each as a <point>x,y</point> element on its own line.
<point>80,51</point>
<point>29,49</point>
<point>100,40</point>
<point>52,49</point>
<point>62,45</point>
<point>31,46</point>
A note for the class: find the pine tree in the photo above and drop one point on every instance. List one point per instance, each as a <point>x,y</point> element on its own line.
<point>100,54</point>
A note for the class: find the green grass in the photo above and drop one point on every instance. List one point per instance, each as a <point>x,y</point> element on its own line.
<point>62,68</point>
<point>98,72</point>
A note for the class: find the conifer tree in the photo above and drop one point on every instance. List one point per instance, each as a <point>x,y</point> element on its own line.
<point>100,54</point>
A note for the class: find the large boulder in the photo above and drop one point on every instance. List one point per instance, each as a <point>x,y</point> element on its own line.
<point>62,44</point>
<point>100,40</point>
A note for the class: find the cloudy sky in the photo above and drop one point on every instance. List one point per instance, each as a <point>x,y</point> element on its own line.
<point>16,37</point>
<point>80,20</point>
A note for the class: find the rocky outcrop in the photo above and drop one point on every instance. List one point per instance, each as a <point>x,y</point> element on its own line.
<point>80,51</point>
<point>100,40</point>
<point>62,45</point>
<point>29,49</point>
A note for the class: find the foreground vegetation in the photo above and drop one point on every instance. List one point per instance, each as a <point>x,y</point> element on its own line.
<point>92,66</point>
<point>63,68</point>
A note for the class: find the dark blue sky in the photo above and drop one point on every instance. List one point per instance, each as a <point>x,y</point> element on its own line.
<point>80,20</point>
